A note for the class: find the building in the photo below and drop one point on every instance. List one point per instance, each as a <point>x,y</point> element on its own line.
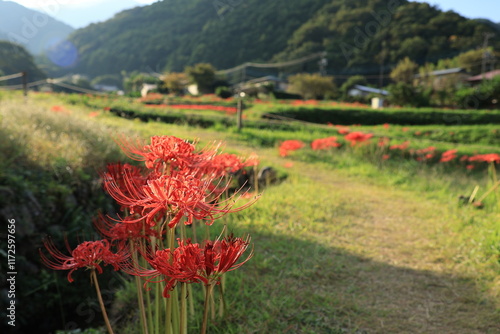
<point>442,79</point>
<point>477,79</point>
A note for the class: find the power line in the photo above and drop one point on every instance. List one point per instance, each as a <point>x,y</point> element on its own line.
<point>273,65</point>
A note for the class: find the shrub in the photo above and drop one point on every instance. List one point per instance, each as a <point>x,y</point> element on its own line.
<point>312,86</point>
<point>223,92</point>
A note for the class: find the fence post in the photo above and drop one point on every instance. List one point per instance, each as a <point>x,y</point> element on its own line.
<point>240,111</point>
<point>25,83</point>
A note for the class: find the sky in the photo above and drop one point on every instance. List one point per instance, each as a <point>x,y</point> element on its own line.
<point>474,9</point>
<point>489,9</point>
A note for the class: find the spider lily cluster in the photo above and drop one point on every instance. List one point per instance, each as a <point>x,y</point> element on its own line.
<point>178,186</point>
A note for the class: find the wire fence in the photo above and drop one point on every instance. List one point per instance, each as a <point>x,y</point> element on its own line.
<point>57,82</point>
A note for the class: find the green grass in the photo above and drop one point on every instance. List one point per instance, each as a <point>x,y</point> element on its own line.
<point>346,243</point>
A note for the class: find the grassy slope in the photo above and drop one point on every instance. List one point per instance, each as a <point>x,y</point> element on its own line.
<point>347,247</point>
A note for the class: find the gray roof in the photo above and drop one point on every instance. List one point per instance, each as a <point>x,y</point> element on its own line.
<point>443,72</point>
<point>371,90</point>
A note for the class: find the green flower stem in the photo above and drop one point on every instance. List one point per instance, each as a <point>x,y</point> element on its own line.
<point>140,296</point>
<point>208,292</point>
<point>101,303</point>
<point>183,316</point>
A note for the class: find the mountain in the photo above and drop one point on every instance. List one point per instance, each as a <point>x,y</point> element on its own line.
<point>357,34</point>
<point>15,59</point>
<point>175,33</point>
<point>34,30</point>
<point>360,34</point>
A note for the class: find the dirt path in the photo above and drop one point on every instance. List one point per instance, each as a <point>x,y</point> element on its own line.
<point>407,284</point>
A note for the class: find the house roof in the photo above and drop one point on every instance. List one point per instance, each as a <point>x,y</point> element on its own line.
<point>371,90</point>
<point>443,72</point>
<point>488,75</point>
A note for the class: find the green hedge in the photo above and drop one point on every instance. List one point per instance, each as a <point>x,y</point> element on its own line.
<point>391,116</point>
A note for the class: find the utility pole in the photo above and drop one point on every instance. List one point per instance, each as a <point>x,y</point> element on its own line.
<point>323,63</point>
<point>487,36</point>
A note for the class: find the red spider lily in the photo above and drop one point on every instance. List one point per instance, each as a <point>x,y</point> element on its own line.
<point>123,178</point>
<point>191,263</point>
<point>470,167</point>
<point>358,137</point>
<point>429,149</point>
<point>402,146</point>
<point>491,157</point>
<point>225,163</point>
<point>448,156</point>
<point>405,129</point>
<point>386,125</point>
<point>290,145</point>
<point>175,195</point>
<point>164,153</point>
<point>324,143</point>
<point>343,130</point>
<point>127,229</point>
<point>386,157</point>
<point>89,254</point>
<point>464,158</point>
<point>252,160</point>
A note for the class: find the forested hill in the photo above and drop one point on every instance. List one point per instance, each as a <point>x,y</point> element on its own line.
<point>15,59</point>
<point>357,34</point>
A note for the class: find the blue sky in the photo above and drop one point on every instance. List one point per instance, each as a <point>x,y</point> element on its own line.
<point>474,9</point>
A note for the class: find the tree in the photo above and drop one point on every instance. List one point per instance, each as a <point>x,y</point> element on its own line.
<point>203,75</point>
<point>404,71</point>
<point>312,86</point>
<point>350,83</point>
<point>175,82</point>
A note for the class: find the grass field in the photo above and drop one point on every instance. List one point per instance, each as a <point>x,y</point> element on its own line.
<point>348,243</point>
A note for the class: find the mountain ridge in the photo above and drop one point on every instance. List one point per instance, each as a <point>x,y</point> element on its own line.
<point>35,30</point>
<point>172,34</point>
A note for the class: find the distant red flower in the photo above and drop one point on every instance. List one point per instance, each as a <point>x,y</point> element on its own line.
<point>94,114</point>
<point>60,109</point>
<point>385,156</point>
<point>470,167</point>
<point>448,156</point>
<point>290,145</point>
<point>383,141</point>
<point>358,137</point>
<point>252,160</point>
<point>343,130</point>
<point>405,129</point>
<point>386,125</point>
<point>288,164</point>
<point>325,143</point>
<point>89,254</point>
<point>225,163</point>
<point>491,157</point>
<point>402,146</point>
